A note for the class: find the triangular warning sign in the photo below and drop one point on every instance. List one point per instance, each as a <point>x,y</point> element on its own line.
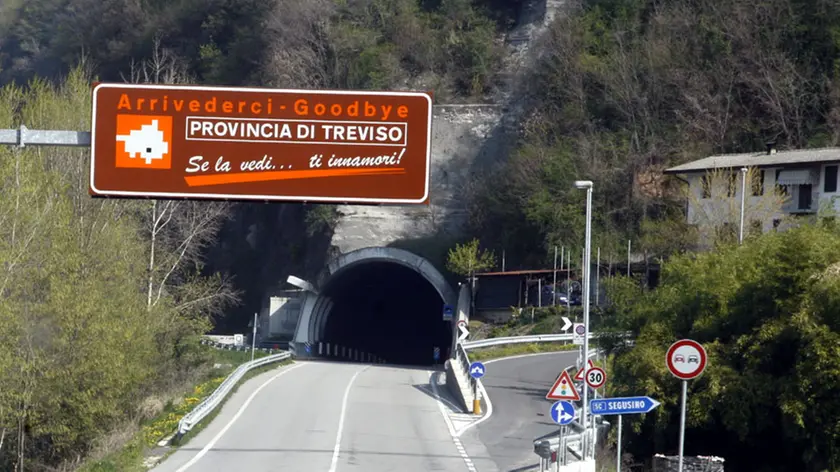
<point>579,375</point>
<point>563,389</point>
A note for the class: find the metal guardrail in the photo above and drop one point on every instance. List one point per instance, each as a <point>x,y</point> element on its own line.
<point>211,402</point>
<point>535,338</point>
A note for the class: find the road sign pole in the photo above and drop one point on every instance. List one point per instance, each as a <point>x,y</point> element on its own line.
<point>586,184</point>
<point>559,448</point>
<point>618,447</point>
<point>682,423</point>
<point>476,400</point>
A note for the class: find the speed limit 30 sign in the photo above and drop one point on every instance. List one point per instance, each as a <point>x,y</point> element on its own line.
<point>596,377</point>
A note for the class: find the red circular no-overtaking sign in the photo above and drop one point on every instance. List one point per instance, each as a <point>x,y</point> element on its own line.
<point>686,359</point>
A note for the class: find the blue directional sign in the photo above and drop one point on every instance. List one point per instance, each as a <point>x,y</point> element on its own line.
<point>622,405</point>
<point>476,370</point>
<point>447,312</point>
<point>562,412</point>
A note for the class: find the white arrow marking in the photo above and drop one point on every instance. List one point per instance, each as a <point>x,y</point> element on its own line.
<point>561,414</point>
<point>567,323</point>
<point>464,333</point>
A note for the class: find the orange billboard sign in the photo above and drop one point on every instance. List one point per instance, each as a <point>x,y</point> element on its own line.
<point>201,142</point>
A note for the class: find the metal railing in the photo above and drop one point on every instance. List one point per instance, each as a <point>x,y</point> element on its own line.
<point>211,402</point>
<point>535,338</point>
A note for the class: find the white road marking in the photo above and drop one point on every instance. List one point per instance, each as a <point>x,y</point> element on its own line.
<point>486,397</point>
<point>455,439</point>
<point>337,449</point>
<point>232,420</point>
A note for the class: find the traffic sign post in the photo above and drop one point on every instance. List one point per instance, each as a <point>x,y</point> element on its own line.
<point>447,312</point>
<point>596,377</point>
<point>567,323</point>
<point>622,406</point>
<point>563,389</point>
<point>686,359</point>
<point>462,327</point>
<point>562,412</point>
<point>209,142</point>
<point>579,375</point>
<point>577,335</point>
<point>477,371</point>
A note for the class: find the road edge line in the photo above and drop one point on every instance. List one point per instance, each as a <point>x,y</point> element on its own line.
<point>239,412</point>
<point>342,415</point>
<point>486,397</point>
<point>462,451</point>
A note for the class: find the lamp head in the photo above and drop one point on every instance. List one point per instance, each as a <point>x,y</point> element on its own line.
<point>583,184</point>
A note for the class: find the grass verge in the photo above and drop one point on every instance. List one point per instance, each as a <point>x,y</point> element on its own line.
<point>517,349</point>
<point>131,457</point>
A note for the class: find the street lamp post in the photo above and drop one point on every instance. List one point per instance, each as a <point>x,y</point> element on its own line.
<point>743,199</point>
<point>586,184</point>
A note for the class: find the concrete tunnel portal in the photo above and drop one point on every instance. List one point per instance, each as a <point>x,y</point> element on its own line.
<point>384,301</point>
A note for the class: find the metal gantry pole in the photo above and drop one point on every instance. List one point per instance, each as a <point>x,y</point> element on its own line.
<point>682,423</point>
<point>743,199</point>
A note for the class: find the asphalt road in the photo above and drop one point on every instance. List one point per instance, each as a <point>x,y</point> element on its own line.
<point>332,417</point>
<point>517,388</point>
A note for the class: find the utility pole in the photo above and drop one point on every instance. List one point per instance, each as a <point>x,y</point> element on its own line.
<point>554,283</point>
<point>254,338</point>
<point>628,258</point>
<point>743,199</point>
<point>598,279</point>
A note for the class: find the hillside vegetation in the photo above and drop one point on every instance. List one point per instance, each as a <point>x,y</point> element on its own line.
<point>768,314</point>
<point>625,88</point>
<point>101,301</point>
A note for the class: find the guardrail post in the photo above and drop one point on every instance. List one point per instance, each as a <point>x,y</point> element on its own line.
<point>320,348</point>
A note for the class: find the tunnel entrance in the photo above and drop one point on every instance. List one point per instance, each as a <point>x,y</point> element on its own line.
<point>387,309</point>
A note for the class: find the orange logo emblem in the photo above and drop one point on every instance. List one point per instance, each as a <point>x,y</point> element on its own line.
<point>144,142</point>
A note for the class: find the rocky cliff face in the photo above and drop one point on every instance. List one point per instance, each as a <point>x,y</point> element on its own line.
<point>458,136</point>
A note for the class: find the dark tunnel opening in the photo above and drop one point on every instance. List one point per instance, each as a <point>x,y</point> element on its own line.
<point>389,310</point>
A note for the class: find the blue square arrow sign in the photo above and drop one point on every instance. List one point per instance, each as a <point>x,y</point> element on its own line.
<point>622,405</point>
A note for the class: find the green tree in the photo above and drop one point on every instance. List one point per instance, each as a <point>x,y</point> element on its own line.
<point>467,259</point>
<point>767,313</point>
<point>81,347</point>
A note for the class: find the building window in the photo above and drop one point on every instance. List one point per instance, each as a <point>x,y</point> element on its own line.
<point>758,184</point>
<point>830,179</point>
<point>805,197</point>
<point>782,188</point>
<point>733,180</point>
<point>706,186</point>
